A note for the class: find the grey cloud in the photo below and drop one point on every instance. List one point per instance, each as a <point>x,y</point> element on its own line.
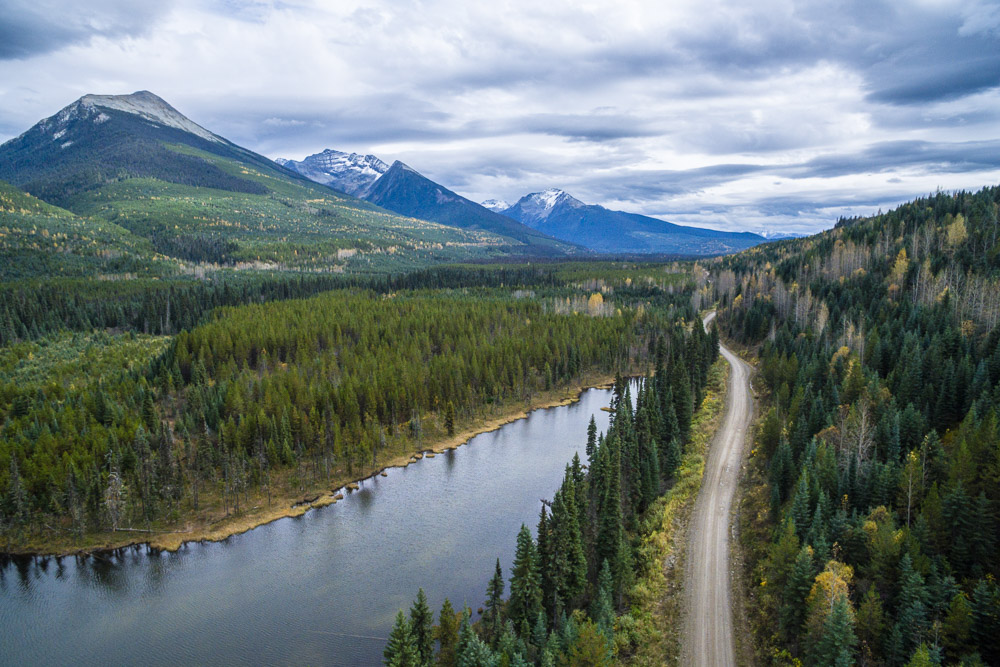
<point>942,81</point>
<point>33,27</point>
<point>935,157</point>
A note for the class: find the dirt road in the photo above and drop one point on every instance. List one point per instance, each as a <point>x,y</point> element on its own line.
<point>708,624</point>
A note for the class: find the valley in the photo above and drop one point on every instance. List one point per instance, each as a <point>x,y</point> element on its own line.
<point>340,394</point>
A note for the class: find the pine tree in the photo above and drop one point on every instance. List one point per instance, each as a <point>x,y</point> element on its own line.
<point>957,626</point>
<point>986,620</point>
<point>591,441</point>
<point>568,561</point>
<point>401,651</point>
<point>422,627</point>
<point>797,587</point>
<point>16,496</point>
<point>492,621</point>
<point>446,633</point>
<point>602,608</point>
<point>611,530</point>
<point>472,651</point>
<point>683,405</point>
<point>525,584</point>
<point>911,604</point>
<point>836,645</point>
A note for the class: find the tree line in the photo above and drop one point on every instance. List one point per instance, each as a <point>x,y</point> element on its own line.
<point>569,582</point>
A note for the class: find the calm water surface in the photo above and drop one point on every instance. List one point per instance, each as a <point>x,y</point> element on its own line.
<point>320,589</point>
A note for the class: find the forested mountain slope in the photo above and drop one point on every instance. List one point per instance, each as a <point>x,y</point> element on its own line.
<point>135,161</point>
<point>879,458</point>
<point>39,240</point>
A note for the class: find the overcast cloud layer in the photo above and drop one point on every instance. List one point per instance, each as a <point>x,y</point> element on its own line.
<point>733,115</point>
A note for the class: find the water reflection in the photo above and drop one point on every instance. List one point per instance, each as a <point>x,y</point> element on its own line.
<point>322,588</point>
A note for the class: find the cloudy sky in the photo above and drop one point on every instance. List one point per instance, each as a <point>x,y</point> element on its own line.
<point>738,115</point>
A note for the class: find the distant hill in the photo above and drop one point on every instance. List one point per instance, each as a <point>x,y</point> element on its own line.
<point>402,189</point>
<point>136,161</point>
<point>557,213</point>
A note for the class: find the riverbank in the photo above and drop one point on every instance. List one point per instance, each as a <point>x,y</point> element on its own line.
<point>288,497</point>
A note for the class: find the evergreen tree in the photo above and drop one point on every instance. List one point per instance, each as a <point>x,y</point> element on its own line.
<point>492,621</point>
<point>401,651</point>
<point>602,608</point>
<point>525,584</point>
<point>422,627</point>
<point>800,581</point>
<point>911,605</point>
<point>446,633</point>
<point>472,651</point>
<point>986,620</point>
<point>591,441</point>
<point>836,645</point>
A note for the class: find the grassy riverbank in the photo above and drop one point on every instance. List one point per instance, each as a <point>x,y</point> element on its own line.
<point>653,624</point>
<point>292,492</point>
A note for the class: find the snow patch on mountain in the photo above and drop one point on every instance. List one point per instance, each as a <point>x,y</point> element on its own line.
<point>349,172</point>
<point>495,205</point>
<point>777,234</point>
<point>538,205</point>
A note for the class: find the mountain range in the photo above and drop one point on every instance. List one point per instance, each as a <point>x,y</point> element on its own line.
<point>176,193</point>
<point>552,214</point>
<point>403,190</point>
<point>186,194</point>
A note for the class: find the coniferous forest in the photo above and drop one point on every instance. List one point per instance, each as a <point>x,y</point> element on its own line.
<point>571,582</point>
<point>292,393</point>
<point>872,522</point>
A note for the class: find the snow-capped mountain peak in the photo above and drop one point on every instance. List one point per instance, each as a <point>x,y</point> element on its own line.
<point>349,172</point>
<point>538,205</point>
<point>777,234</point>
<point>495,205</point>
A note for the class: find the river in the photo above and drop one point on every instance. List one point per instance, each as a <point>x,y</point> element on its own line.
<point>320,589</point>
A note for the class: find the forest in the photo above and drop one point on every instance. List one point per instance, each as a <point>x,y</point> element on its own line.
<point>572,580</point>
<point>871,523</point>
<point>287,394</point>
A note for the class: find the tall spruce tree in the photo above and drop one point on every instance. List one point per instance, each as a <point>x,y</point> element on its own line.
<point>525,584</point>
<point>401,651</point>
<point>422,627</point>
<point>492,617</point>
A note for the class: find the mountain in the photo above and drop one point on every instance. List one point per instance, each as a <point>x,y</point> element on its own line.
<point>557,213</point>
<point>135,161</point>
<point>495,205</point>
<point>778,235</point>
<point>403,190</point>
<point>407,192</point>
<point>347,172</point>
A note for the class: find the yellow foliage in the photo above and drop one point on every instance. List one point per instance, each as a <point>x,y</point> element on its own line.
<point>830,584</point>
<point>957,232</point>
<point>900,267</point>
<point>843,353</point>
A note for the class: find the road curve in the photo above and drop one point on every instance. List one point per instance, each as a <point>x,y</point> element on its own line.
<point>708,625</point>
